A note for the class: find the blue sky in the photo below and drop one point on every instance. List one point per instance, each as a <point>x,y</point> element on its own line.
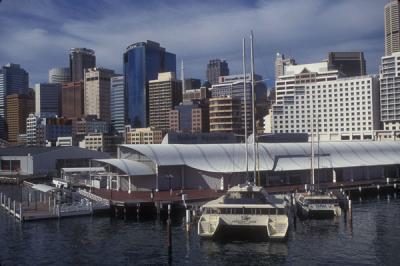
<point>38,33</point>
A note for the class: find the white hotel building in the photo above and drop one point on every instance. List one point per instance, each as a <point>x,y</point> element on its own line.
<point>345,108</point>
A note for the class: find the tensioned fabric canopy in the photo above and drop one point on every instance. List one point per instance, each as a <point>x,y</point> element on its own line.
<point>271,156</point>
<point>131,168</point>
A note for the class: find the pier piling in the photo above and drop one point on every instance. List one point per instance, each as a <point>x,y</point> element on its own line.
<point>169,235</point>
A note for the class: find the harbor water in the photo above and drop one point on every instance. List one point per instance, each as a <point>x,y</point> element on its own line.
<point>373,238</point>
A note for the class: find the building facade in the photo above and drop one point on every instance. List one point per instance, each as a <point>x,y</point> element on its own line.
<point>390,91</point>
<point>280,63</point>
<point>117,104</point>
<point>352,64</point>
<point>142,62</point>
<point>47,99</point>
<point>143,135</point>
<point>392,27</point>
<point>164,94</point>
<point>97,92</point>
<point>79,60</point>
<point>59,75</point>
<point>19,106</point>
<point>312,96</point>
<point>190,117</point>
<point>72,99</point>
<point>215,69</point>
<point>225,115</point>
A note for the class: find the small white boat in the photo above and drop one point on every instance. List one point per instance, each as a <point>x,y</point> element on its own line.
<point>311,205</point>
<point>245,210</point>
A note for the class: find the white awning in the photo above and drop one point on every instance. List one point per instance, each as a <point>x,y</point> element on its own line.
<point>43,188</point>
<point>131,168</point>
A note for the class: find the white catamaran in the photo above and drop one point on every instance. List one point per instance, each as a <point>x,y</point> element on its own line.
<point>247,208</point>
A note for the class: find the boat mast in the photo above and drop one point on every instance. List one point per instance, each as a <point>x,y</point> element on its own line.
<point>312,140</point>
<point>245,109</point>
<point>253,105</point>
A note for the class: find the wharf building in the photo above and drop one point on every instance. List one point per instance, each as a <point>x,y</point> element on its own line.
<point>164,94</point>
<point>47,99</point>
<point>97,92</point>
<point>392,27</point>
<point>225,115</point>
<point>72,99</point>
<point>215,69</point>
<point>117,104</point>
<point>196,166</point>
<point>142,62</point>
<point>79,60</point>
<point>390,91</point>
<point>19,106</point>
<point>13,80</point>
<point>60,75</point>
<point>312,95</point>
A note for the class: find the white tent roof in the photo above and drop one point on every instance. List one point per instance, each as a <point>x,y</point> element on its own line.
<point>272,156</point>
<point>131,168</point>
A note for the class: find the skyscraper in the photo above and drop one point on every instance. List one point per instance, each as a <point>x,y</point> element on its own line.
<point>117,104</point>
<point>79,60</point>
<point>142,62</point>
<point>59,75</point>
<point>13,79</point>
<point>164,94</point>
<point>280,63</point>
<point>72,103</point>
<point>97,92</point>
<point>215,69</point>
<point>47,99</point>
<point>18,108</point>
<point>392,27</point>
<point>352,64</point>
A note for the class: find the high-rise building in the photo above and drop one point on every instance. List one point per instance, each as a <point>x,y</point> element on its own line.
<point>117,104</point>
<point>390,91</point>
<point>13,80</point>
<point>142,62</point>
<point>351,64</point>
<point>190,117</point>
<point>392,27</point>
<point>225,115</point>
<point>215,69</point>
<point>97,92</point>
<point>47,99</point>
<point>59,75</point>
<point>202,94</point>
<point>192,84</point>
<point>72,104</point>
<point>164,94</point>
<point>337,107</point>
<point>79,60</point>
<point>18,108</point>
<point>35,130</point>
<point>280,63</point>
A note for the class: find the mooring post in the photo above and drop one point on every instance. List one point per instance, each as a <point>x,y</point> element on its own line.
<point>29,198</point>
<point>137,210</point>
<point>20,211</point>
<point>15,214</point>
<point>350,211</point>
<point>169,235</point>
<point>293,203</point>
<point>9,204</point>
<point>1,199</point>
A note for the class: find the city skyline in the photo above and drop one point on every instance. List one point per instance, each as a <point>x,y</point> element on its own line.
<point>52,27</point>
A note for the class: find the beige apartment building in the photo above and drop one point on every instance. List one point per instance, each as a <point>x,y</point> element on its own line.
<point>143,135</point>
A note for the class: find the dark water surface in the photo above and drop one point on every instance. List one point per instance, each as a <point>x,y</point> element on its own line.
<point>373,239</point>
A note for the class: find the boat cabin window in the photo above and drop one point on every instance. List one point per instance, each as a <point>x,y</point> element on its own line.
<point>321,201</point>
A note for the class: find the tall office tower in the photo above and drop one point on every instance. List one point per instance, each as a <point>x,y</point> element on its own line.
<point>390,91</point>
<point>18,108</point>
<point>280,63</point>
<point>232,86</point>
<point>59,75</point>
<point>190,117</point>
<point>79,60</point>
<point>225,115</point>
<point>215,69</point>
<point>97,92</point>
<point>351,64</point>
<point>72,104</point>
<point>47,99</point>
<point>392,27</point>
<point>142,62</point>
<point>192,84</point>
<point>35,130</point>
<point>13,79</point>
<point>164,94</point>
<point>338,107</point>
<point>117,104</point>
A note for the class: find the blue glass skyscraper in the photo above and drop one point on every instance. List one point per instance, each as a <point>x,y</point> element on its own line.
<point>142,62</point>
